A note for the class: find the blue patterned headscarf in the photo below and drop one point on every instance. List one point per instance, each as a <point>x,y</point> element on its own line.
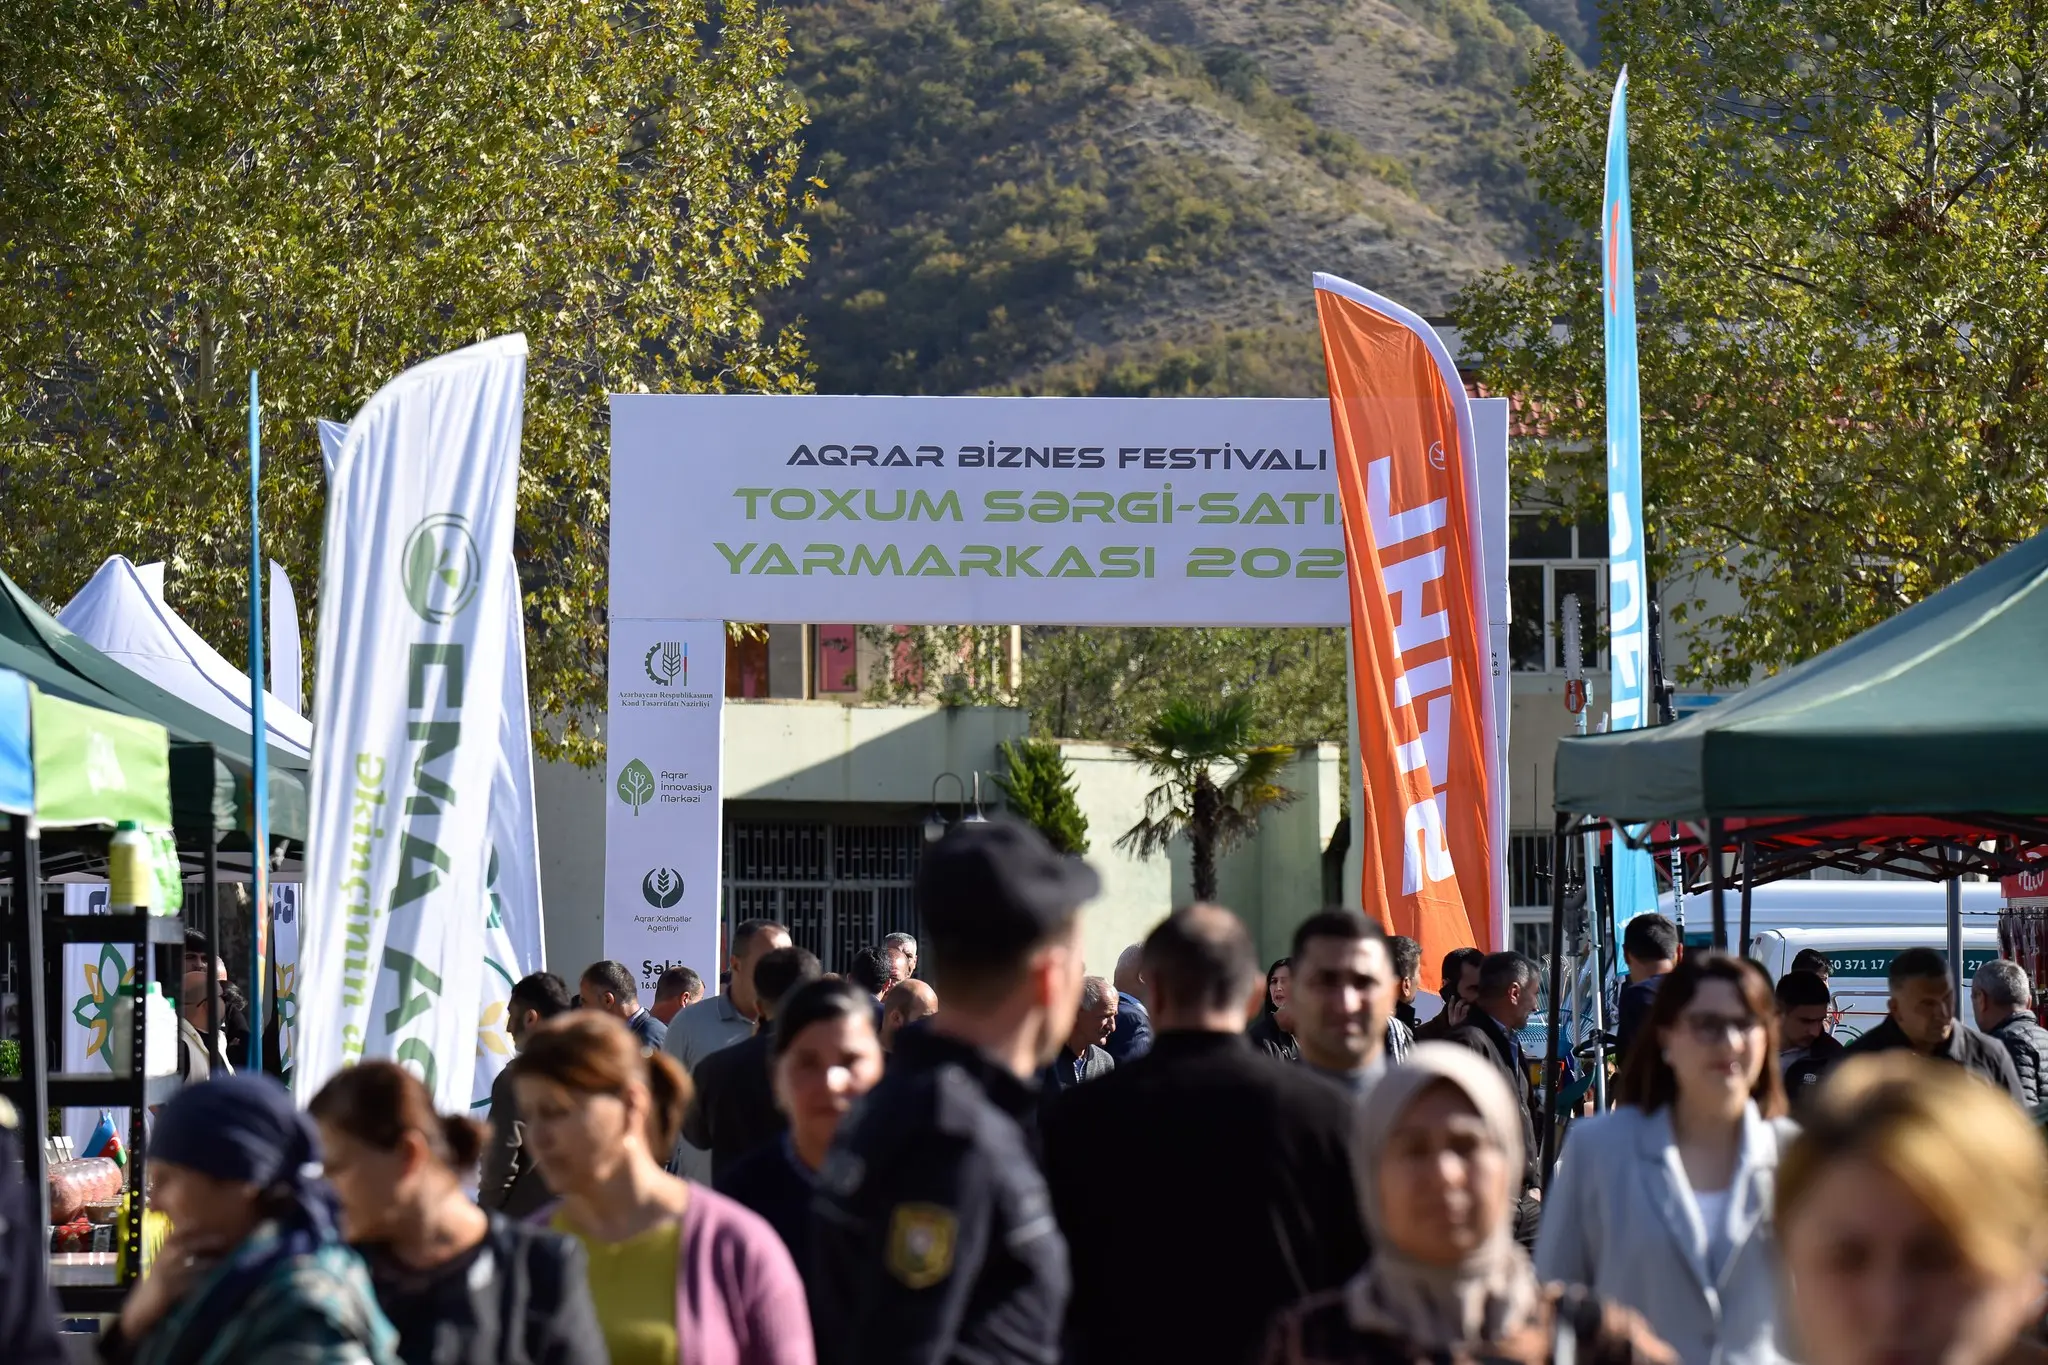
<point>245,1128</point>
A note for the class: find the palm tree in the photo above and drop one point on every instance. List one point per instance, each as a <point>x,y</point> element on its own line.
<point>1217,783</point>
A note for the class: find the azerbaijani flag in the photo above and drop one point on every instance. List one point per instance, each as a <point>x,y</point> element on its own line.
<point>105,1141</point>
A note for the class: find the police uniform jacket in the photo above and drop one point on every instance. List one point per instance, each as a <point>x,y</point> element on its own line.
<point>934,1238</point>
<point>28,1320</point>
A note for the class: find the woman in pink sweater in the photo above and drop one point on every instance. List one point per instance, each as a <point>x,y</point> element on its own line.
<point>680,1275</point>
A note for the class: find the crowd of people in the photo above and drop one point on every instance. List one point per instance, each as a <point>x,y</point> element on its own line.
<point>1002,1158</point>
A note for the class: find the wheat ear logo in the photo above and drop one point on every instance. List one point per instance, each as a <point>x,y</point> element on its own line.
<point>662,887</point>
<point>667,663</point>
<point>442,568</point>
<point>636,785</point>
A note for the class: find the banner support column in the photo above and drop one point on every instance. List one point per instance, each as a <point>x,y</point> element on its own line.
<point>1548,1090</point>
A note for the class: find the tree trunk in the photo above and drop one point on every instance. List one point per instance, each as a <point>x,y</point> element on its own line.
<point>1202,836</point>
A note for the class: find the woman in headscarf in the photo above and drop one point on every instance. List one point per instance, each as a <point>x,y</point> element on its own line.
<point>254,1270</point>
<point>1437,1155</point>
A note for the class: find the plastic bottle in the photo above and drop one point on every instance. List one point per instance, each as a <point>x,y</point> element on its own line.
<point>121,1036</point>
<point>131,873</point>
<point>160,1032</point>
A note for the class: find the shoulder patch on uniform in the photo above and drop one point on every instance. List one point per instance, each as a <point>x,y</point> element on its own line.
<point>921,1241</point>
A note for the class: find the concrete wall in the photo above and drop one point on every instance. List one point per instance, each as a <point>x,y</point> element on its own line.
<point>827,751</point>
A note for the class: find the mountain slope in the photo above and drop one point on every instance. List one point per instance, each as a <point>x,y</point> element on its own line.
<point>1051,195</point>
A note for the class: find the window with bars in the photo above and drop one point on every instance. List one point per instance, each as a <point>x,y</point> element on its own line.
<point>1549,560</point>
<point>838,888</point>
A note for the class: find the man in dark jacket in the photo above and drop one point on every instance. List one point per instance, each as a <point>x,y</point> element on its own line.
<point>1649,945</point>
<point>1507,997</point>
<point>1805,1047</point>
<point>2003,999</point>
<point>1461,987</point>
<point>1132,1036</point>
<point>510,1183</point>
<point>734,1109</point>
<point>1921,1015</point>
<point>1240,1179</point>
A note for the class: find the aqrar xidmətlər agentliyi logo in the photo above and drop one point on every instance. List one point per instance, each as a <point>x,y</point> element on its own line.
<point>442,568</point>
<point>662,887</point>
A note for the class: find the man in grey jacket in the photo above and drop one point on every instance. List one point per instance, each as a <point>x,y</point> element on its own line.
<point>2003,999</point>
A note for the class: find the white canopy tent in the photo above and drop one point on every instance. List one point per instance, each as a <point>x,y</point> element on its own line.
<point>121,612</point>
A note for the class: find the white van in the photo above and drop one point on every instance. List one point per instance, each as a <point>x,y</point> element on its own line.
<point>1840,904</point>
<point>1858,960</point>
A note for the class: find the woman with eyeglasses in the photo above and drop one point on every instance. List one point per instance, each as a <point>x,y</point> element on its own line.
<point>1664,1205</point>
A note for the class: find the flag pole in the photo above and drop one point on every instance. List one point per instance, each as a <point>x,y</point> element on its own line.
<point>259,766</point>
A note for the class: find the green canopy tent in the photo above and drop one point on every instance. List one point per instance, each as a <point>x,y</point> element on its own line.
<point>1919,746</point>
<point>210,771</point>
<point>1941,710</point>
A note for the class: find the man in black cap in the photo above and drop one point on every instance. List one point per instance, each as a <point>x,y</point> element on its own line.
<point>935,1239</point>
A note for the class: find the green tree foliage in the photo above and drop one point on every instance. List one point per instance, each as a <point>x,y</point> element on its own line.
<point>1039,787</point>
<point>1216,782</point>
<point>1113,683</point>
<point>1839,212</point>
<point>332,193</point>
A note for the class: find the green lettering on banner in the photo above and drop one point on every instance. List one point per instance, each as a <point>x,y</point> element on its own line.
<point>1071,564</point>
<point>441,737</point>
<point>866,561</point>
<point>773,560</point>
<point>823,559</point>
<point>921,504</point>
<point>733,557</point>
<point>424,657</point>
<point>930,563</point>
<point>410,888</point>
<point>1013,561</point>
<point>1263,512</point>
<point>411,1004</point>
<point>421,1054</point>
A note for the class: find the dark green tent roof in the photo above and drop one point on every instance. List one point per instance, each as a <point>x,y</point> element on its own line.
<point>1941,710</point>
<point>210,773</point>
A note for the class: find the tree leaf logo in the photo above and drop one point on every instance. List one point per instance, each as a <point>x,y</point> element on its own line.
<point>662,887</point>
<point>667,663</point>
<point>442,568</point>
<point>636,785</point>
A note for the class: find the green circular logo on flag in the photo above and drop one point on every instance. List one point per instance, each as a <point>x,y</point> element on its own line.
<point>662,887</point>
<point>442,568</point>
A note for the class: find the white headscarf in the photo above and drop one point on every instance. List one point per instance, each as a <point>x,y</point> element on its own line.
<point>1493,1292</point>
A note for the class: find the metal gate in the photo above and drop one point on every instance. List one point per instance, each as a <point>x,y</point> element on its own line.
<point>838,888</point>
